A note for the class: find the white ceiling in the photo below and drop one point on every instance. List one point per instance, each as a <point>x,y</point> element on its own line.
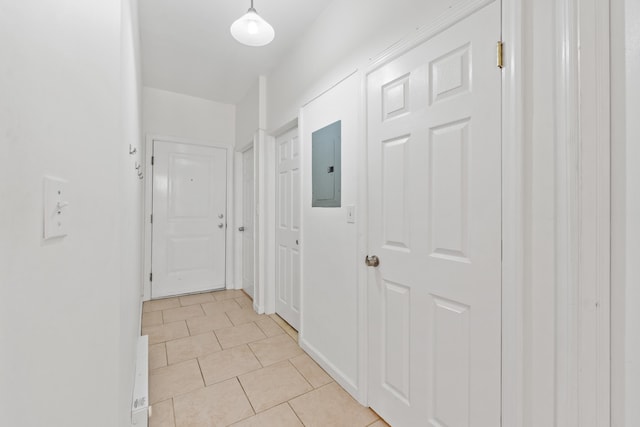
<point>187,46</point>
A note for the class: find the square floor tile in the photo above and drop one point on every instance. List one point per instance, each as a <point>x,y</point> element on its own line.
<point>217,307</point>
<point>280,416</point>
<point>275,349</point>
<point>182,313</point>
<point>160,304</point>
<point>275,384</point>
<point>173,380</point>
<point>195,299</point>
<point>162,414</point>
<point>202,324</point>
<point>246,315</point>
<point>166,332</point>
<point>269,327</point>
<point>314,374</point>
<point>157,356</point>
<point>191,347</point>
<point>330,405</point>
<point>238,335</point>
<point>227,364</point>
<point>152,318</point>
<point>218,405</point>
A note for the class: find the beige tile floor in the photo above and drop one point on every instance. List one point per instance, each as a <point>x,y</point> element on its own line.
<point>214,362</point>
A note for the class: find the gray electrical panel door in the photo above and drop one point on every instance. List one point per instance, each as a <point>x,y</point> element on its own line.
<point>326,166</point>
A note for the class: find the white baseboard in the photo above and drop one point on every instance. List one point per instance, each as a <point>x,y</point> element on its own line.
<point>333,371</point>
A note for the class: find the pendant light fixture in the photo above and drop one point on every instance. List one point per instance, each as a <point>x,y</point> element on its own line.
<point>251,29</point>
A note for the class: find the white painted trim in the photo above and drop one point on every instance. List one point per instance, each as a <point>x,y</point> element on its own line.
<point>567,215</point>
<point>583,214</point>
<point>239,211</point>
<point>362,223</point>
<point>264,298</point>
<point>513,214</point>
<point>331,369</point>
<point>148,207</point>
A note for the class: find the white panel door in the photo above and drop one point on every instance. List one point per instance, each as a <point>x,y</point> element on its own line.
<point>434,148</point>
<point>189,218</point>
<point>288,211</point>
<point>248,215</point>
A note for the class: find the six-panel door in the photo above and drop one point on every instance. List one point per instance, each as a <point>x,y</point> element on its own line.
<point>434,147</point>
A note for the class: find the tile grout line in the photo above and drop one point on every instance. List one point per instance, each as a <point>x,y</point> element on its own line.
<point>294,412</point>
<point>247,396</point>
<point>253,352</point>
<point>204,382</point>
<point>173,406</point>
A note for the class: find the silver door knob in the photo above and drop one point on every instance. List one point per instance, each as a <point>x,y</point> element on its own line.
<point>240,228</point>
<point>221,216</point>
<point>372,261</point>
<point>220,225</point>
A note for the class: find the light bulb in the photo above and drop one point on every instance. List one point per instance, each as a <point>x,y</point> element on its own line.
<point>252,27</point>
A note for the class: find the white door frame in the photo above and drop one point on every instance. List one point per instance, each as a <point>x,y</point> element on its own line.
<point>266,225</point>
<point>239,209</point>
<point>148,207</point>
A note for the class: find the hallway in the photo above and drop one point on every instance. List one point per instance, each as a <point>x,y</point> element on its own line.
<point>214,362</point>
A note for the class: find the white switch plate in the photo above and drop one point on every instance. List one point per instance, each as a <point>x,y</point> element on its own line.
<point>351,214</point>
<point>55,207</point>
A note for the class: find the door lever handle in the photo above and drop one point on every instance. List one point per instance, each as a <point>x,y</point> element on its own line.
<point>372,261</point>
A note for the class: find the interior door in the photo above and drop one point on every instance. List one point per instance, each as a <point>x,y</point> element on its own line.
<point>248,214</point>
<point>288,212</point>
<point>434,144</point>
<point>189,218</point>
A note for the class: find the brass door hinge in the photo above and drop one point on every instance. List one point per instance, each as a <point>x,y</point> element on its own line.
<point>500,55</point>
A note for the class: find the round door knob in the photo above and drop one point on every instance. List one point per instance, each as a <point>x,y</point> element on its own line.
<point>372,261</point>
<point>220,225</point>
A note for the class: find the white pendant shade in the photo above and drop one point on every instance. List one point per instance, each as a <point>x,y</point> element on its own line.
<point>252,30</point>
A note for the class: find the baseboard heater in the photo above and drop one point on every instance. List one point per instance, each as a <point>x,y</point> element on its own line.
<point>140,405</point>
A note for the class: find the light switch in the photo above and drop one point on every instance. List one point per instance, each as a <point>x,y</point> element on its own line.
<point>351,214</point>
<point>56,206</point>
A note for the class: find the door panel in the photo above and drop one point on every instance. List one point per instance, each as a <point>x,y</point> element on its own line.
<point>248,217</point>
<point>189,205</point>
<point>288,211</point>
<point>434,144</point>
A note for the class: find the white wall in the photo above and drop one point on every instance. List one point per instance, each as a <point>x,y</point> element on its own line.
<point>345,36</point>
<point>625,45</point>
<point>329,314</point>
<point>183,116</point>
<point>343,39</point>
<point>247,116</point>
<point>67,316</point>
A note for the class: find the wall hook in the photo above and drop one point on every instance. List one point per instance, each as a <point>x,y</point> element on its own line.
<point>132,149</point>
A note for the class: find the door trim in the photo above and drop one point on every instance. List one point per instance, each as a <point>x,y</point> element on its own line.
<point>513,210</point>
<point>238,154</point>
<point>148,207</point>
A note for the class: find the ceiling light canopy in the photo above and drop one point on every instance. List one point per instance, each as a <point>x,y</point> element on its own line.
<point>251,29</point>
